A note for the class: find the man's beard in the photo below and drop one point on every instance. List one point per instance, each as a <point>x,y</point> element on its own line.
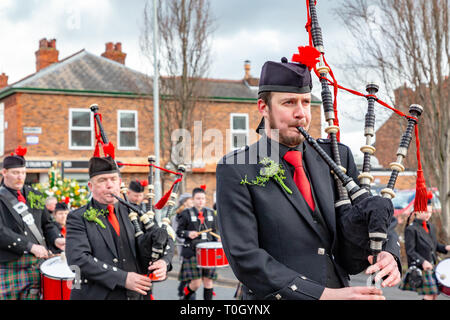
<point>283,139</point>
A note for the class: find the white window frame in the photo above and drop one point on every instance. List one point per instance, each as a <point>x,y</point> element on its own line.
<point>91,128</point>
<point>246,132</point>
<point>135,129</point>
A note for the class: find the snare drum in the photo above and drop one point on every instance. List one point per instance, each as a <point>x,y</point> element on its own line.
<point>56,279</point>
<point>211,255</point>
<point>442,272</point>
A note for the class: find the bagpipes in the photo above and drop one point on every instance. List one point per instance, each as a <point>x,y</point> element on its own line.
<point>363,220</point>
<point>153,241</point>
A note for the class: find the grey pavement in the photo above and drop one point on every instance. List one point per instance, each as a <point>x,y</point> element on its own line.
<point>226,284</point>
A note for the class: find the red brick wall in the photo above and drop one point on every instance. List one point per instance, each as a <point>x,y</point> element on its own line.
<point>13,118</point>
<point>387,140</point>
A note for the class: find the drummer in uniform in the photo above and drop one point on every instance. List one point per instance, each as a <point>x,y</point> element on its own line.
<point>26,230</point>
<point>191,222</point>
<point>421,245</point>
<point>101,243</point>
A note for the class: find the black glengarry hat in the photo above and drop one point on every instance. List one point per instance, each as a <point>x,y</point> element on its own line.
<point>284,76</point>
<point>16,160</point>
<point>136,186</point>
<point>98,165</point>
<point>61,206</point>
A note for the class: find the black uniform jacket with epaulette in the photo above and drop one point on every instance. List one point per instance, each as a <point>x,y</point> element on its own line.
<point>273,244</point>
<point>188,221</point>
<point>420,245</point>
<point>96,251</point>
<point>15,240</point>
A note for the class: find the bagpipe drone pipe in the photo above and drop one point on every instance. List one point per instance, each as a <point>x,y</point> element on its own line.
<point>363,220</point>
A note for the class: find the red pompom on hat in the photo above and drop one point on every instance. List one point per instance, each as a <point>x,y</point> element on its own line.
<point>144,183</point>
<point>16,160</point>
<point>308,55</point>
<point>109,150</point>
<point>21,151</point>
<point>203,186</point>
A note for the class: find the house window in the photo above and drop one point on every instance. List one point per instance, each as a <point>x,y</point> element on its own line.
<point>127,128</point>
<point>81,127</point>
<point>239,130</point>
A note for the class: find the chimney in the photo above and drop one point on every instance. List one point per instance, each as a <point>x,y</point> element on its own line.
<point>47,54</point>
<point>3,80</point>
<point>247,69</point>
<point>114,52</point>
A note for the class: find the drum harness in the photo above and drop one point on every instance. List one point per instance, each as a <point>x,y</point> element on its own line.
<point>21,209</point>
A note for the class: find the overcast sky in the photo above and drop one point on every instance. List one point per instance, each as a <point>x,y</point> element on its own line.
<point>257,30</point>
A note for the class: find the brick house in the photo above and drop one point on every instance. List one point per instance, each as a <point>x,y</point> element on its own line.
<point>48,112</point>
<point>388,138</point>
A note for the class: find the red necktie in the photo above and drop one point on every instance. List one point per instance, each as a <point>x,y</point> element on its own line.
<point>424,225</point>
<point>300,179</point>
<point>63,231</point>
<point>113,219</point>
<point>201,217</point>
<point>20,197</point>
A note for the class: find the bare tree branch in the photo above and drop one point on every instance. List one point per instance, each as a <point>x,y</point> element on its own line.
<point>407,43</point>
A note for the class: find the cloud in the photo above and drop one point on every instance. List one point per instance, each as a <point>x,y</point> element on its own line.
<point>246,30</point>
<point>24,23</point>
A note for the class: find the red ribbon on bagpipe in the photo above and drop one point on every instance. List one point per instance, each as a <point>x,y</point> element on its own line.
<point>309,56</point>
<point>162,202</point>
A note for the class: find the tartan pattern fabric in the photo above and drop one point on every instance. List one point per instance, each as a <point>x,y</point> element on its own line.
<point>190,271</point>
<point>20,279</point>
<point>429,285</point>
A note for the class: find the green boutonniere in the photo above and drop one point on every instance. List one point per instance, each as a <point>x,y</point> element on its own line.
<point>271,169</point>
<point>36,201</point>
<point>93,214</point>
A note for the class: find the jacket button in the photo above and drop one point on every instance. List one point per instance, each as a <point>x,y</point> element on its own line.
<point>115,260</point>
<point>321,251</point>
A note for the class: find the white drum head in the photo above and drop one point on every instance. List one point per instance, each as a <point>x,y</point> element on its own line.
<point>443,272</point>
<point>210,245</point>
<point>57,268</point>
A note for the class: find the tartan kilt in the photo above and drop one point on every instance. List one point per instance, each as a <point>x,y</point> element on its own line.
<point>20,279</point>
<point>190,271</point>
<point>429,284</point>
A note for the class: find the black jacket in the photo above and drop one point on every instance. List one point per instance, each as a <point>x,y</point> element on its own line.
<point>188,221</point>
<point>420,245</point>
<point>14,239</point>
<point>94,251</point>
<point>273,243</point>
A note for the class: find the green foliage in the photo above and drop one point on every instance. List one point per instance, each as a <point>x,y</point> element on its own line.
<point>92,214</point>
<point>270,169</point>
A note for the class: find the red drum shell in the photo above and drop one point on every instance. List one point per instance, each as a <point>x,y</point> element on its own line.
<point>442,273</point>
<point>56,280</point>
<point>211,255</point>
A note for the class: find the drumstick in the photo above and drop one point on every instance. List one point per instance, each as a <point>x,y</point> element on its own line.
<point>203,231</point>
<point>214,234</point>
